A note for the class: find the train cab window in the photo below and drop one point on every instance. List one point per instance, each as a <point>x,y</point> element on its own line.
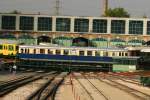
<point>58,52</point>
<point>17,48</point>
<point>66,52</point>
<point>50,52</point>
<point>1,47</point>
<point>5,47</point>
<point>89,53</point>
<point>97,53</point>
<point>81,53</point>
<point>42,51</point>
<point>10,47</point>
<point>22,51</point>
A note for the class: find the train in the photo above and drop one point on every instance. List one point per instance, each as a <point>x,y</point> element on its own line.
<point>73,58</point>
<point>8,49</point>
<point>86,58</point>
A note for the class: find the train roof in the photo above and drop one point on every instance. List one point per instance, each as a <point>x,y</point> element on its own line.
<point>73,47</point>
<point>145,50</point>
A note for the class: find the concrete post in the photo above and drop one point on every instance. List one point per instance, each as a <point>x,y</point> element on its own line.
<point>90,24</point>
<point>17,22</point>
<point>127,27</point>
<point>54,24</point>
<point>145,27</point>
<point>108,26</point>
<point>35,23</point>
<point>72,25</point>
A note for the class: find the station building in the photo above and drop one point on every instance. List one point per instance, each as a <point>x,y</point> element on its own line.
<point>74,30</point>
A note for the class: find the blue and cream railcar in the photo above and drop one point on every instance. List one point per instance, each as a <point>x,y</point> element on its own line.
<point>76,57</point>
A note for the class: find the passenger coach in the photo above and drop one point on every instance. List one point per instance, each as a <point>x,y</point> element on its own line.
<point>69,57</point>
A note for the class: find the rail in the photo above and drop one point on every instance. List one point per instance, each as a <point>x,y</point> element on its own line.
<point>84,88</point>
<point>8,87</point>
<point>136,93</point>
<point>100,92</point>
<point>48,90</point>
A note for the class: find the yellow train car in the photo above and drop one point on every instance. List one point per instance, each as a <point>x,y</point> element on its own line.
<point>8,48</point>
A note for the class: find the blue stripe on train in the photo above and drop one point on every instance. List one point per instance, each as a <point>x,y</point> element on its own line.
<point>65,57</point>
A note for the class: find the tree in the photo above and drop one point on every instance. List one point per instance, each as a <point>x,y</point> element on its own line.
<point>15,12</point>
<point>116,12</point>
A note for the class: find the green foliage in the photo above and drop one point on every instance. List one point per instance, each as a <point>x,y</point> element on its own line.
<point>15,12</point>
<point>117,12</point>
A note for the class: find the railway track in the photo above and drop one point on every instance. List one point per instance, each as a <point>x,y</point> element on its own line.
<point>8,87</point>
<point>99,91</point>
<point>136,93</point>
<point>48,90</point>
<point>89,94</point>
<point>93,92</point>
<point>124,78</point>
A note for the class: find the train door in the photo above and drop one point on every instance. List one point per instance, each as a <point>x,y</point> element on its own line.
<point>1,49</point>
<point>5,51</point>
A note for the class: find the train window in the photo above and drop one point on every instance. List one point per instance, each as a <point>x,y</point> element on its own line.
<point>5,47</point>
<point>113,54</point>
<point>42,51</point>
<point>119,53</point>
<point>89,53</point>
<point>81,53</point>
<point>17,47</point>
<point>126,54</point>
<point>57,52</point>
<point>105,53</point>
<point>10,47</point>
<point>50,52</point>
<point>122,53</point>
<point>22,50</point>
<point>1,47</point>
<point>97,53</point>
<point>34,51</point>
<point>66,52</point>
<point>25,50</point>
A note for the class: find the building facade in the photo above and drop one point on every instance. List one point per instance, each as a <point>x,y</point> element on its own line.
<point>74,30</point>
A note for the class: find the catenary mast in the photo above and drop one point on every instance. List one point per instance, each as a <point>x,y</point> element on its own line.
<point>105,7</point>
<point>57,7</point>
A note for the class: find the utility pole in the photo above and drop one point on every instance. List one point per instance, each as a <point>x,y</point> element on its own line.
<point>57,7</point>
<point>105,7</point>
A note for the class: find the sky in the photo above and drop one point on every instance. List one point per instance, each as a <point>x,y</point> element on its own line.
<point>136,8</point>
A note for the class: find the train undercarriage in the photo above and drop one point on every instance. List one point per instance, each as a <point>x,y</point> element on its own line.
<point>65,65</point>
